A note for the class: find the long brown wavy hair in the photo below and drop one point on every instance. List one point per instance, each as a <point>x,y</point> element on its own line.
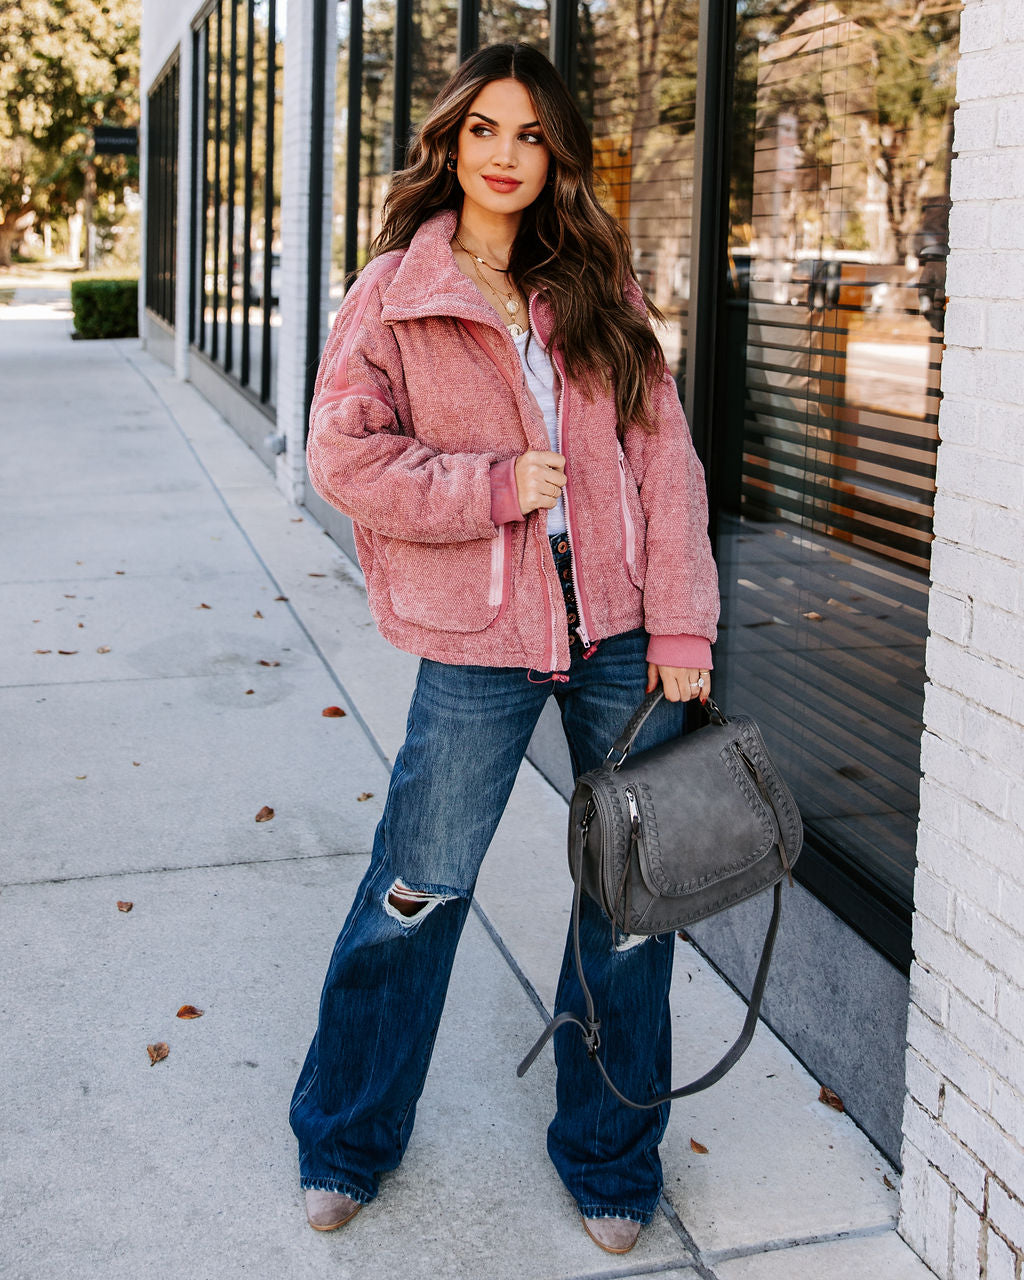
<point>568,247</point>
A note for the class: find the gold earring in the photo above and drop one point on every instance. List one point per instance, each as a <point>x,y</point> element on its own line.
<point>451,165</point>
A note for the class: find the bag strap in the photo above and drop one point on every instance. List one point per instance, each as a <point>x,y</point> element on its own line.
<point>623,744</point>
<point>590,1026</point>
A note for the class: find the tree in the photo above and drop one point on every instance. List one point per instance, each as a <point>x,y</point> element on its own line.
<point>66,66</point>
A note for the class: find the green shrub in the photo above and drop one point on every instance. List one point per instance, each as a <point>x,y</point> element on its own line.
<point>106,308</point>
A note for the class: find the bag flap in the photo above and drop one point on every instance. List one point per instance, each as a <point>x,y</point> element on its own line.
<point>703,817</point>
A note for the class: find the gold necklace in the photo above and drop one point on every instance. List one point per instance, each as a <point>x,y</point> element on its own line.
<point>510,300</point>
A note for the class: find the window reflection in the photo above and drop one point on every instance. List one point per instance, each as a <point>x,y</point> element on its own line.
<point>241,52</point>
<point>506,20</point>
<point>435,47</point>
<point>636,85</point>
<point>839,196</point>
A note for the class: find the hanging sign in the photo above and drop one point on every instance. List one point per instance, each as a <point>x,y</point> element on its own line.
<point>115,140</point>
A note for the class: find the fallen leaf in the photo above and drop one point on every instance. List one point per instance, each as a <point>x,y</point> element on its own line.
<point>81,626</point>
<point>81,777</point>
<point>365,795</point>
<point>37,619</point>
<point>189,1011</point>
<point>204,606</point>
<point>316,575</point>
<point>280,597</point>
<point>814,617</point>
<point>265,663</point>
<point>44,651</point>
<point>125,906</point>
<point>296,519</point>
<point>265,814</point>
<point>257,614</point>
<point>248,691</point>
<point>157,1052</point>
<point>890,1185</point>
<point>67,652</point>
<point>104,648</point>
<point>699,1147</point>
<point>830,1099</point>
<point>67,597</point>
<point>119,572</point>
<point>332,713</point>
<point>136,763</point>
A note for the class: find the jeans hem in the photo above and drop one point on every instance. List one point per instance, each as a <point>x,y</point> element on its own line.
<point>643,1216</point>
<point>337,1186</point>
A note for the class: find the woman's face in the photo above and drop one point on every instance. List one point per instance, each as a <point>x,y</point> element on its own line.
<point>502,156</point>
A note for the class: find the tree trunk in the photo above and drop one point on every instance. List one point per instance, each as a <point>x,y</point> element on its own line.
<point>12,229</point>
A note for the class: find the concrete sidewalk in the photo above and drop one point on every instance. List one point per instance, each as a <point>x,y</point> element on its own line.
<point>171,632</point>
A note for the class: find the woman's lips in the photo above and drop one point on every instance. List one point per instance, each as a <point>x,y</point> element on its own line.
<point>502,184</point>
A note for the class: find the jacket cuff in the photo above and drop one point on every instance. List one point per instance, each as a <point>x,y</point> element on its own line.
<point>504,493</point>
<point>680,651</point>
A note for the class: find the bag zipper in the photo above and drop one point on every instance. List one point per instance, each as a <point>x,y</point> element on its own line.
<point>634,811</point>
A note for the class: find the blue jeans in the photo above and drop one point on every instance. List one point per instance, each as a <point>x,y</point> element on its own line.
<point>355,1100</point>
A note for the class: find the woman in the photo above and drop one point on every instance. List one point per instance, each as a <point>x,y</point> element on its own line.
<point>494,413</point>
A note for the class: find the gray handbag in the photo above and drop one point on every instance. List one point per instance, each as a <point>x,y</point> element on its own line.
<point>668,837</point>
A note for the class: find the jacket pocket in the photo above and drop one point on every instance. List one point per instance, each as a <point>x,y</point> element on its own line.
<point>633,525</point>
<point>457,586</point>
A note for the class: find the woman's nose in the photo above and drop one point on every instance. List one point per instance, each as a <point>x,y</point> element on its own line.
<point>504,151</point>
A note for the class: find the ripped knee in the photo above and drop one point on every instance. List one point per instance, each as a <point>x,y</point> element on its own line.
<point>410,906</point>
<point>627,941</point>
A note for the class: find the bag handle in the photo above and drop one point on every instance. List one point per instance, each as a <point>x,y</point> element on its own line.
<point>624,742</point>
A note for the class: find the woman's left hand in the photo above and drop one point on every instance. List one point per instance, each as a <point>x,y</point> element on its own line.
<point>679,683</point>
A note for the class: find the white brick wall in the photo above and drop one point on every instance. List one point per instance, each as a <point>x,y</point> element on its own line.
<point>297,141</point>
<point>963,1152</point>
<point>295,144</point>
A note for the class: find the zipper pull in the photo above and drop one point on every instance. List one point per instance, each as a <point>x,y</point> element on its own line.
<point>634,812</point>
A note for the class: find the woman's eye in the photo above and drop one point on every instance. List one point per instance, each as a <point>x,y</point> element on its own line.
<point>534,138</point>
<point>479,130</point>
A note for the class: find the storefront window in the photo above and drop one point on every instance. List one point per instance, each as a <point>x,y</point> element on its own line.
<point>826,431</point>
<point>506,20</point>
<point>435,25</point>
<point>240,48</point>
<point>636,83</point>
<point>162,194</point>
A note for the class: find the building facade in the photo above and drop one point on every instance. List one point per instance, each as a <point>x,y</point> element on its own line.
<point>825,200</point>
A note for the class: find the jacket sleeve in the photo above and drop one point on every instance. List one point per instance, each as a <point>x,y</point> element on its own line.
<point>362,452</point>
<point>681,583</point>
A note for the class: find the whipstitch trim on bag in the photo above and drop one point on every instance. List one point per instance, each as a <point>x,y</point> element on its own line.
<point>786,811</point>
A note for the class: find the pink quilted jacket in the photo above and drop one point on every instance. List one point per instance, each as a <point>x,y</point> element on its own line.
<point>420,411</point>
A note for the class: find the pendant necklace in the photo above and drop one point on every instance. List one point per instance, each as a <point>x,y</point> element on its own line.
<point>511,303</point>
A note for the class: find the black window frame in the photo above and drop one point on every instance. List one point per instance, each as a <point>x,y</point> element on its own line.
<point>217,59</point>
<point>164,100</point>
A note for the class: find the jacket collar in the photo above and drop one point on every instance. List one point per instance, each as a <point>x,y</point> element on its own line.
<point>428,282</point>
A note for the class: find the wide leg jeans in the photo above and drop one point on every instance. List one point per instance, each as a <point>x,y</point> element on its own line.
<point>355,1101</point>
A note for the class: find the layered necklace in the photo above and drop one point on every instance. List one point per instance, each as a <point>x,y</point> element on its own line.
<point>510,301</point>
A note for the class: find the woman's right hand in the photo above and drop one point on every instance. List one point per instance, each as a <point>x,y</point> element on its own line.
<point>540,478</point>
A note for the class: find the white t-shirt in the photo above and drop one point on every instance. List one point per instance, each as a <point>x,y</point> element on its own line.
<point>540,378</point>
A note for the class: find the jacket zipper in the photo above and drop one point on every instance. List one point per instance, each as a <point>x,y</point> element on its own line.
<point>627,519</point>
<point>573,571</point>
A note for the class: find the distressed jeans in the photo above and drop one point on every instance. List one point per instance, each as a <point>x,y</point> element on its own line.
<point>355,1100</point>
